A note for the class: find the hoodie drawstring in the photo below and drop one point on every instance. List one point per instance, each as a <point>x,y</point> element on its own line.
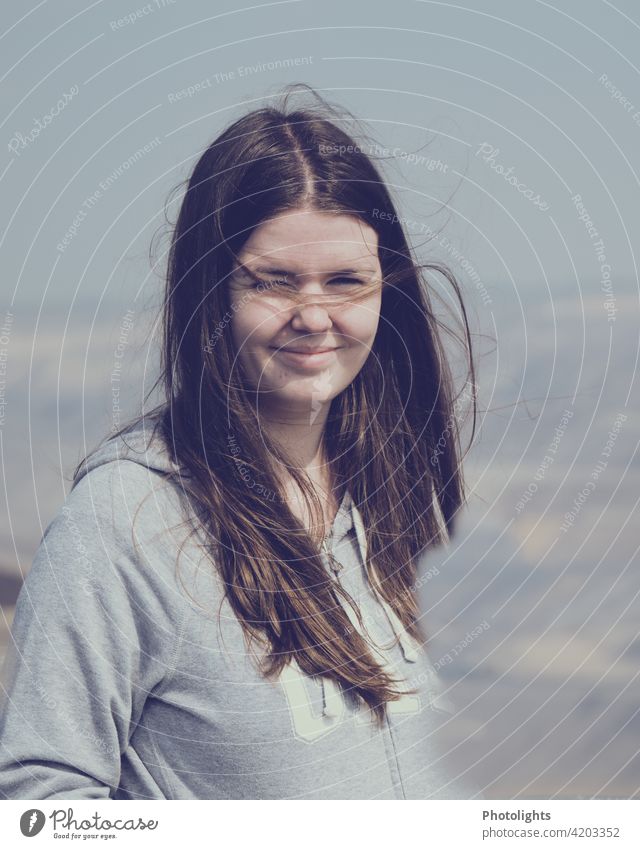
<point>407,643</point>
<point>331,697</point>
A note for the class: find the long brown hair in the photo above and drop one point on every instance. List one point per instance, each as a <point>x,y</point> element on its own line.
<point>392,436</point>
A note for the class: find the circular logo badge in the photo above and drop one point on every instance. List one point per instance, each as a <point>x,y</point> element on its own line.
<point>32,822</point>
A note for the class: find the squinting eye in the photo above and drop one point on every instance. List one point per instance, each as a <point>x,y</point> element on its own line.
<point>270,284</point>
<point>285,284</point>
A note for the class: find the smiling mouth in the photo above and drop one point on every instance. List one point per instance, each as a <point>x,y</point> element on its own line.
<point>306,358</point>
<point>306,350</point>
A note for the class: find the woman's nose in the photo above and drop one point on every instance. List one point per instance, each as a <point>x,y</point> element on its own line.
<point>312,317</point>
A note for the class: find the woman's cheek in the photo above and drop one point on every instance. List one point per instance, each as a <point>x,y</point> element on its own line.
<point>248,326</point>
<point>362,325</point>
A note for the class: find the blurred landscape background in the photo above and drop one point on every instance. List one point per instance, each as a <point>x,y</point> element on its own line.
<point>533,607</point>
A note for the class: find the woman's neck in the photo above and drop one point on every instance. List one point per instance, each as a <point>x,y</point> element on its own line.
<point>302,440</point>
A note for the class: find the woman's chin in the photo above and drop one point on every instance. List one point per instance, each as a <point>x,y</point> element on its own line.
<point>291,402</point>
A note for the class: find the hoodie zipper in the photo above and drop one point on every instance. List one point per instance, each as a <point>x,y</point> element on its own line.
<point>330,691</point>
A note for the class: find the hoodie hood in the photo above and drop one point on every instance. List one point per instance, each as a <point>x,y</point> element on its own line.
<point>141,443</point>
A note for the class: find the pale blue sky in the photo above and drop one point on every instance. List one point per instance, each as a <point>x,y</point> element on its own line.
<point>523,79</point>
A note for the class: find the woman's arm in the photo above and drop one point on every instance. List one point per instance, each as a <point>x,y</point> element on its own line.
<point>90,636</point>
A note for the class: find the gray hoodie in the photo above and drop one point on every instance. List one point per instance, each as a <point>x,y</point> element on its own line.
<point>129,679</point>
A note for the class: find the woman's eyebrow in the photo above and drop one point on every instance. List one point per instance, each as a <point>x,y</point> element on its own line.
<point>284,272</point>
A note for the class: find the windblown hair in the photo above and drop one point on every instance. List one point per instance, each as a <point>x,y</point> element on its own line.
<point>392,437</point>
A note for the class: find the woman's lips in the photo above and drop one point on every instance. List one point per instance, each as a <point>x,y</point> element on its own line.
<point>307,360</point>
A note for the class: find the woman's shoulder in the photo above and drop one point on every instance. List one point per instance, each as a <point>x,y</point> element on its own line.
<point>123,522</point>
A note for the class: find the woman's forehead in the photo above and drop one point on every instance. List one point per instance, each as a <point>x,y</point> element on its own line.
<point>327,242</point>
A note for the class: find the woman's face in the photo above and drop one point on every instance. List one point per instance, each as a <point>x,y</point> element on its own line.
<point>327,259</point>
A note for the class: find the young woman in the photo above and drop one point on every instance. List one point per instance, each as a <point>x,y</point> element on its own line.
<point>224,607</point>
